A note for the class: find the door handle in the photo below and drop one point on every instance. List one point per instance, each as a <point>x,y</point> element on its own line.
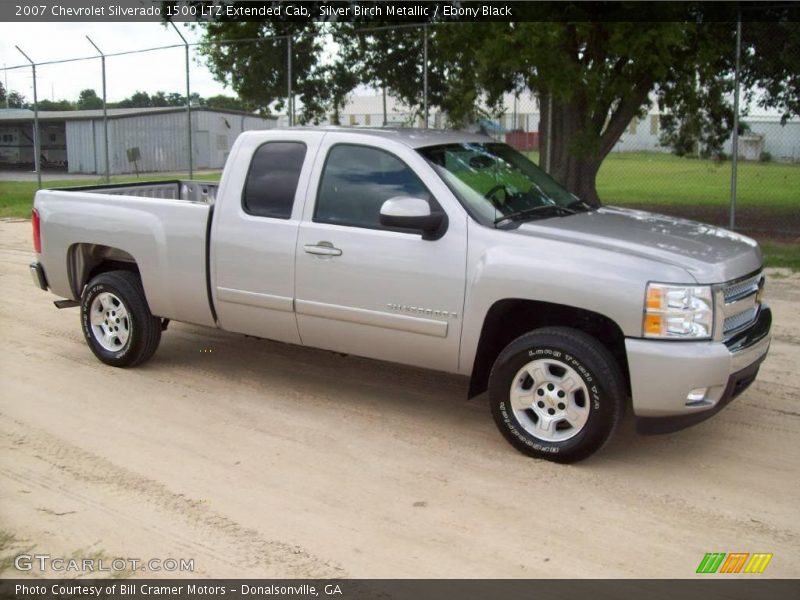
<point>322,249</point>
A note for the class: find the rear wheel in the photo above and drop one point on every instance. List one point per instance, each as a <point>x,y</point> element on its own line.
<point>117,322</point>
<point>556,393</point>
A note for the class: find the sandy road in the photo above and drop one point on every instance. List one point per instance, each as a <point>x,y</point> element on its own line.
<point>261,459</point>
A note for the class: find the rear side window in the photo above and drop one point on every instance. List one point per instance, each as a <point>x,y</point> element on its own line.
<point>357,181</point>
<point>272,179</point>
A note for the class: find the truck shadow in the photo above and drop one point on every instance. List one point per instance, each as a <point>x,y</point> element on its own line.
<point>274,368</point>
<point>243,366</point>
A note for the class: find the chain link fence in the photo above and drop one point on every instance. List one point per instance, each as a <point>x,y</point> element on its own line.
<point>640,171</point>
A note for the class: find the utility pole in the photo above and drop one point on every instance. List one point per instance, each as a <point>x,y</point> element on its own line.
<point>105,110</point>
<point>7,91</point>
<point>549,143</point>
<point>735,143</point>
<point>188,100</point>
<point>385,119</point>
<point>36,140</point>
<point>425,71</point>
<point>289,95</point>
<point>516,98</point>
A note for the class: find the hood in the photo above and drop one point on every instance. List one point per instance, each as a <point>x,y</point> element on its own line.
<point>710,254</point>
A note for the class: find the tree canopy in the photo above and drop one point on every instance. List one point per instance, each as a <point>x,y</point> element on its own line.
<point>88,99</point>
<point>592,76</point>
<point>258,70</point>
<point>15,99</point>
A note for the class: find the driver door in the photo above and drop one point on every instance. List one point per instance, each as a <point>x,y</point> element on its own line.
<point>364,289</point>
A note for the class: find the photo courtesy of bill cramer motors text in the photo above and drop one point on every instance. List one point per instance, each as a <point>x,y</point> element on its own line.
<point>137,589</point>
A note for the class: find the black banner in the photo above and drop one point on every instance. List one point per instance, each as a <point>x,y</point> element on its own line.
<point>396,11</point>
<point>716,587</point>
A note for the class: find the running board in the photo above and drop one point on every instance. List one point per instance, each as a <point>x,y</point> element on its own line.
<point>66,304</point>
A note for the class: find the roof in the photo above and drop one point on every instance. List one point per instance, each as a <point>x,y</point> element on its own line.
<point>414,138</point>
<point>21,115</point>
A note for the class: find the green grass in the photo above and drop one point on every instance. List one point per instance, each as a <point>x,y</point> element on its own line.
<point>660,178</point>
<point>16,197</point>
<point>766,191</point>
<point>642,177</point>
<point>781,254</point>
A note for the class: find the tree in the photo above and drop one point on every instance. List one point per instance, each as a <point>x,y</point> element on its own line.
<point>592,74</point>
<point>229,103</point>
<point>592,77</point>
<point>57,105</point>
<point>258,71</point>
<point>389,58</point>
<point>159,99</point>
<point>770,74</point>
<point>137,100</point>
<point>16,100</point>
<point>699,115</point>
<point>88,100</point>
<point>176,99</point>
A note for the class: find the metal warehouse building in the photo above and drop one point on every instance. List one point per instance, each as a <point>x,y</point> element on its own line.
<point>139,139</point>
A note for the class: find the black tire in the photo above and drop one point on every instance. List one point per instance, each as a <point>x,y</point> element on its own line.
<point>587,358</point>
<point>143,329</point>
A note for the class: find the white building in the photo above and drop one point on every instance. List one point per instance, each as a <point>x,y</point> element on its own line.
<point>139,139</point>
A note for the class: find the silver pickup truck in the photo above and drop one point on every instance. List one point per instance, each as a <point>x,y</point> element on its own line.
<point>442,250</point>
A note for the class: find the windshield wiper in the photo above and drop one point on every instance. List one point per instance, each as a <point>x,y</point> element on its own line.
<point>544,210</point>
<point>581,204</point>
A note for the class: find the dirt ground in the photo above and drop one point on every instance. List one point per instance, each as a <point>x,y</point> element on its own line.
<point>260,459</point>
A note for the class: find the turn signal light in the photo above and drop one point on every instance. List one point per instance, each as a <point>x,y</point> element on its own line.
<point>654,298</point>
<point>652,324</point>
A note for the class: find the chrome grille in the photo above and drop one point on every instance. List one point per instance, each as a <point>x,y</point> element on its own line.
<point>738,321</point>
<point>742,289</point>
<point>740,304</point>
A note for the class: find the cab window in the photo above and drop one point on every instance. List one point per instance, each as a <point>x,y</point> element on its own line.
<point>357,180</point>
<point>272,179</point>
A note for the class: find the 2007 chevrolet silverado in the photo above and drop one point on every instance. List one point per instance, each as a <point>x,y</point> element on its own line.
<point>443,250</point>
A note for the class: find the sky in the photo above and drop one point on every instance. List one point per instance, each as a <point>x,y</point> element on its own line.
<point>160,70</point>
<point>149,72</point>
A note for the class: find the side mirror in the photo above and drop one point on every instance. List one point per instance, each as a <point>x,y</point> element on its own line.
<point>405,212</point>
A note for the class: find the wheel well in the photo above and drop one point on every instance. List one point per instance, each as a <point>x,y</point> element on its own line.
<point>509,319</point>
<point>86,261</point>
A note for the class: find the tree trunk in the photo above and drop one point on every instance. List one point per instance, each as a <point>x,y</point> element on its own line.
<point>581,179</point>
<point>579,141</point>
<point>574,168</point>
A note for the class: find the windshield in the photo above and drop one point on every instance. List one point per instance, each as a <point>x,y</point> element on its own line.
<point>498,184</point>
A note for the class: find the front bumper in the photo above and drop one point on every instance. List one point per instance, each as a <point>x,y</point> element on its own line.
<point>37,274</point>
<point>663,374</point>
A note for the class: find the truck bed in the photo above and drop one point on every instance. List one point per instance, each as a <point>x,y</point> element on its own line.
<point>175,189</point>
<point>161,226</point>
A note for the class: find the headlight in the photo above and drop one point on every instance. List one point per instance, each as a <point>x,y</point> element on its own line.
<point>678,311</point>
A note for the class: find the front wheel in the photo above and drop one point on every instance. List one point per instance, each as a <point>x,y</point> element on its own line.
<point>116,320</point>
<point>556,393</point>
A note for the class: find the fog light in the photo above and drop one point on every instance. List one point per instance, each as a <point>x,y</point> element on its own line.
<point>696,396</point>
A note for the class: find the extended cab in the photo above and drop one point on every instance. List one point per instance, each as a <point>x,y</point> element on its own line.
<point>442,250</point>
